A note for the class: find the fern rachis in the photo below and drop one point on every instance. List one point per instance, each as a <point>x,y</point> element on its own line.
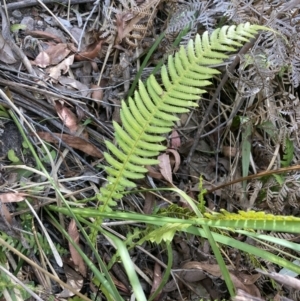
<point>151,113</point>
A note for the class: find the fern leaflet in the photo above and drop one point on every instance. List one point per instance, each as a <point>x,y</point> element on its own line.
<point>152,111</point>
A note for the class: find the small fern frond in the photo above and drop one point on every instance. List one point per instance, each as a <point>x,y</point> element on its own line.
<point>153,110</point>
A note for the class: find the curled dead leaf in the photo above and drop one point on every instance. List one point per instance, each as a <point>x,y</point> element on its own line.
<point>75,142</point>
<point>43,35</point>
<point>89,54</point>
<point>165,167</point>
<point>176,160</point>
<point>67,116</point>
<point>12,197</point>
<point>77,259</point>
<point>53,55</point>
<point>74,280</point>
<point>175,141</point>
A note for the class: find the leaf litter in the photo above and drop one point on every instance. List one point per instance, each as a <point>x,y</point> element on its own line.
<point>80,90</point>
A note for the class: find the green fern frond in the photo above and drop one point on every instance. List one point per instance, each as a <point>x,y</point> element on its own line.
<point>153,110</point>
<point>248,216</point>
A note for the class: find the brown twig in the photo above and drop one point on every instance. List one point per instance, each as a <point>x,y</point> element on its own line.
<point>28,3</point>
<point>255,176</point>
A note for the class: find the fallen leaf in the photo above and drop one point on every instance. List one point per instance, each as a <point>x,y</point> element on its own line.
<point>67,116</point>
<point>153,173</point>
<point>77,259</point>
<point>90,54</point>
<point>43,35</point>
<point>157,278</point>
<point>97,93</point>
<point>73,141</point>
<point>74,279</point>
<point>71,82</point>
<point>175,140</point>
<point>42,60</point>
<point>62,68</point>
<point>6,54</point>
<point>53,55</point>
<point>11,197</point>
<point>5,214</point>
<point>176,156</point>
<point>165,167</point>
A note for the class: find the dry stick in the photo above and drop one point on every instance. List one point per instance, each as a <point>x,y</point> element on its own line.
<point>16,50</point>
<point>231,68</point>
<point>255,176</point>
<point>58,21</point>
<point>36,266</point>
<point>28,3</point>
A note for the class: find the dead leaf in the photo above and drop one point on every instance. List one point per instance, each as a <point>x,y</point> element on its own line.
<point>42,60</point>
<point>43,35</point>
<point>282,279</point>
<point>52,56</point>
<point>157,277</point>
<point>75,142</point>
<point>153,173</point>
<point>74,280</point>
<point>5,214</point>
<point>229,151</point>
<point>77,259</point>
<point>6,54</point>
<point>67,116</point>
<point>11,197</point>
<point>82,88</point>
<point>97,93</point>
<point>149,203</point>
<point>90,54</point>
<point>165,167</point>
<point>175,140</point>
<point>177,159</point>
<point>62,68</point>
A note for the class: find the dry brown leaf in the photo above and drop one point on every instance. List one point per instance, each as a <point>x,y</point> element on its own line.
<point>77,259</point>
<point>149,203</point>
<point>43,35</point>
<point>84,90</point>
<point>6,54</point>
<point>5,214</point>
<point>157,277</point>
<point>52,56</point>
<point>11,197</point>
<point>62,68</point>
<point>165,167</point>
<point>97,93</point>
<point>42,60</point>
<point>153,173</point>
<point>67,116</point>
<point>75,142</point>
<point>177,159</point>
<point>74,280</point>
<point>90,54</point>
<point>175,141</point>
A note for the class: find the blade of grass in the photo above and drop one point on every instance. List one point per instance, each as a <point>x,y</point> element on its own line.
<point>128,265</point>
<point>166,274</point>
<point>246,248</point>
<point>109,282</point>
<point>104,281</point>
<point>220,260</point>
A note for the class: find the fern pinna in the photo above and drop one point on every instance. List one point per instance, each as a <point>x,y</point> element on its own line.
<point>153,110</point>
